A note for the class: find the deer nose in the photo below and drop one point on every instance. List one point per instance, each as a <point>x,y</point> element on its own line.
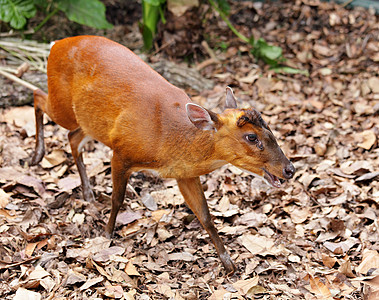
<point>289,171</point>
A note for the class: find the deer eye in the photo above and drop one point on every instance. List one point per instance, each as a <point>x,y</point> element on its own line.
<point>252,138</point>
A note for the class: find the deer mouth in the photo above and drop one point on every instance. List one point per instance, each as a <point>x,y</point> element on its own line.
<point>272,179</point>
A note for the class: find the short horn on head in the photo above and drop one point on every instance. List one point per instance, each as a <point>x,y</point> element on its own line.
<point>230,101</point>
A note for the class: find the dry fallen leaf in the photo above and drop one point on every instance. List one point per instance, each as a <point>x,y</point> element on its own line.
<point>178,8</point>
<point>29,249</point>
<point>224,204</point>
<point>165,290</point>
<point>366,139</point>
<point>4,198</point>
<point>261,245</point>
<point>263,84</point>
<point>252,219</point>
<point>97,244</point>
<point>299,215</point>
<point>169,196</point>
<point>250,78</point>
<point>19,116</point>
<point>119,276</point>
<point>131,270</point>
<point>78,219</point>
<point>75,277</point>
<point>319,288</point>
<point>113,291</point>
<point>323,50</point>
<point>185,256</point>
<point>149,201</point>
<point>220,294</point>
<point>163,234</point>
<point>244,285</point>
<point>373,83</point>
<point>91,282</point>
<point>341,247</point>
<point>345,269</point>
<point>11,174</point>
<point>55,158</point>
<point>132,294</point>
<point>38,273</point>
<point>374,285</point>
<point>105,254</point>
<point>48,283</point>
<point>354,167</point>
<point>68,183</point>
<point>130,229</point>
<point>367,176</point>
<point>340,284</point>
<point>328,261</point>
<point>370,260</point>
<point>128,217</point>
<point>24,294</point>
<point>157,215</point>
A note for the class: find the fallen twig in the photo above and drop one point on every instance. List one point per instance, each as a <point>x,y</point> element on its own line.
<point>18,80</point>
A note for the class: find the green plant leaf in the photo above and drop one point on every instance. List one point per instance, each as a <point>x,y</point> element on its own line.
<point>271,52</point>
<point>155,2</point>
<point>224,6</point>
<point>44,3</point>
<point>268,51</point>
<point>271,55</point>
<point>147,37</point>
<point>85,12</point>
<point>252,41</point>
<point>16,12</point>
<point>289,70</point>
<point>151,10</point>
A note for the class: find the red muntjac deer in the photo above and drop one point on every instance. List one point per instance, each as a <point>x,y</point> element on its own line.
<point>99,89</point>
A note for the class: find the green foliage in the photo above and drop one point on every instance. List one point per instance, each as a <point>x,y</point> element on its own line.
<point>16,12</point>
<point>45,4</point>
<point>85,12</point>
<point>224,46</point>
<point>92,13</point>
<point>224,6</point>
<point>289,70</point>
<point>154,2</point>
<point>151,10</point>
<point>271,55</point>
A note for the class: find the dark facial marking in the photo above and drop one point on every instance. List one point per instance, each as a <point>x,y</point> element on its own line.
<point>253,117</point>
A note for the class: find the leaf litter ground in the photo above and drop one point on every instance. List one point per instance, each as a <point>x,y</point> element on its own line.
<point>316,237</point>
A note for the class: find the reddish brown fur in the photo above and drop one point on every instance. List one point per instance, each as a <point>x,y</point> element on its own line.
<point>100,89</point>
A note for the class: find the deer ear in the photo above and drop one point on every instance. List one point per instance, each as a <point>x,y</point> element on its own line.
<point>231,101</point>
<point>200,117</point>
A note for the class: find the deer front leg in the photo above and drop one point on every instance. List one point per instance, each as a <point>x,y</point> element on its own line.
<point>193,194</point>
<point>76,137</point>
<point>40,99</point>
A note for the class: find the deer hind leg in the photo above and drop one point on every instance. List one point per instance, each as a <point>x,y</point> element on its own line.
<point>77,139</point>
<point>40,99</point>
<point>193,194</point>
<point>120,176</point>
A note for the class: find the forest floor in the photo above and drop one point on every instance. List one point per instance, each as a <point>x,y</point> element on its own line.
<point>316,237</point>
